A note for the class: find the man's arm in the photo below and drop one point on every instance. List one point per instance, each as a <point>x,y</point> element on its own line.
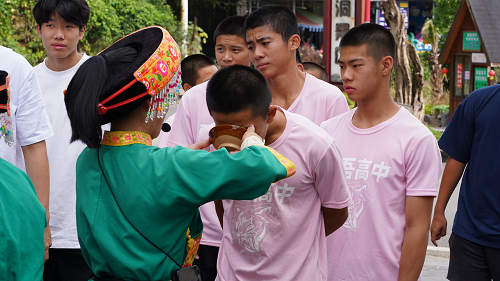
<point>334,219</point>
<point>37,168</point>
<point>418,216</point>
<point>451,176</point>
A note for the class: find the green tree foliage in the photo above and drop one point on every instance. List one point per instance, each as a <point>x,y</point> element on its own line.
<point>17,29</point>
<point>444,13</point>
<point>109,21</point>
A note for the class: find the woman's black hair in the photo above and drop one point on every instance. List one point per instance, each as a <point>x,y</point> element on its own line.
<point>82,95</point>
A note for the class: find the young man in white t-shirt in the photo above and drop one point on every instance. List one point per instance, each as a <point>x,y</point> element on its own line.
<point>272,36</point>
<point>392,164</point>
<point>61,25</point>
<point>282,234</point>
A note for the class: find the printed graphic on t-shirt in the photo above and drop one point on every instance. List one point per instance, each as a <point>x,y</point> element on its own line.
<point>357,205</point>
<point>252,225</point>
<point>359,188</point>
<point>363,170</point>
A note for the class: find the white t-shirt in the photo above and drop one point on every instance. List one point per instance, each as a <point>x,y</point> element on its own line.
<point>29,118</point>
<point>62,155</point>
<point>383,164</point>
<point>281,235</point>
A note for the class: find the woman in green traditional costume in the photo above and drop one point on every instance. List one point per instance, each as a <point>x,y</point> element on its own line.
<point>137,203</point>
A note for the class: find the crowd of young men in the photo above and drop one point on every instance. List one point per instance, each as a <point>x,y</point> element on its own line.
<point>359,206</point>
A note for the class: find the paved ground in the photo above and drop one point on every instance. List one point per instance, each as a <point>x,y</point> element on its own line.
<point>436,262</point>
<point>435,269</point>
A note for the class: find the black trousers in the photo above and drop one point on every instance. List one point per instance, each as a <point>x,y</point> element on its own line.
<point>472,262</point>
<point>66,265</point>
<point>207,263</point>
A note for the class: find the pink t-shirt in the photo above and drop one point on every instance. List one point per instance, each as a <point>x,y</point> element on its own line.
<point>281,235</point>
<point>319,101</point>
<point>164,135</point>
<point>192,115</point>
<point>383,164</point>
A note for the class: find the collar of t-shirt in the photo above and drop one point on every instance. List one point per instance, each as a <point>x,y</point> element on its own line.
<point>402,111</point>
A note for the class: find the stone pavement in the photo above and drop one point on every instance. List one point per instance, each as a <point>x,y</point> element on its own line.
<point>435,268</point>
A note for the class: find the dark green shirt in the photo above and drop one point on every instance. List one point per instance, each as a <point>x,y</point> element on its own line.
<point>160,191</point>
<point>22,225</point>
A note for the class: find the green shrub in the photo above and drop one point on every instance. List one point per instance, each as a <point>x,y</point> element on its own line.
<point>429,108</point>
<point>350,103</point>
<point>437,134</point>
<point>109,21</point>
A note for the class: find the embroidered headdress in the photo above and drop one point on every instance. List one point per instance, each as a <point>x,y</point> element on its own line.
<point>154,75</point>
<point>6,129</point>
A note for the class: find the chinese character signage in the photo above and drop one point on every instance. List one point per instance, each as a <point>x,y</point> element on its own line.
<point>403,8</point>
<point>459,75</point>
<point>480,77</point>
<point>471,41</point>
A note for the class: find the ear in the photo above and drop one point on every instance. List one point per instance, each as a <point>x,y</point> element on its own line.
<point>39,31</point>
<point>271,113</point>
<point>300,67</point>
<point>186,87</point>
<point>387,64</point>
<point>294,42</point>
<point>82,33</point>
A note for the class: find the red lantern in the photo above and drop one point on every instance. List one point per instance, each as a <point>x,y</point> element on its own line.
<point>491,74</point>
<point>444,70</point>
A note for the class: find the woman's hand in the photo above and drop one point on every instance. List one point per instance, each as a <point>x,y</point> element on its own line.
<point>250,132</point>
<point>200,145</point>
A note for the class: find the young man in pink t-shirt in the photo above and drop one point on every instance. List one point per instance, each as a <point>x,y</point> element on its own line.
<point>392,165</point>
<point>282,234</point>
<point>272,36</point>
<point>192,115</point>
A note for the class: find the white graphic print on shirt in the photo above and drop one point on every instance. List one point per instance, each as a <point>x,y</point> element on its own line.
<point>357,205</point>
<point>252,224</point>
<point>359,190</point>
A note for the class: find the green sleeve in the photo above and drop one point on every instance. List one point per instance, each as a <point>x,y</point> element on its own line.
<point>205,176</point>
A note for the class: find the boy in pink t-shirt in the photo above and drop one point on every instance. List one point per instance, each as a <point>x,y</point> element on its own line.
<point>282,234</point>
<point>272,36</point>
<point>192,115</point>
<point>392,165</point>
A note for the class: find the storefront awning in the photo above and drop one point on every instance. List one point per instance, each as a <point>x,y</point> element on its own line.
<point>310,21</point>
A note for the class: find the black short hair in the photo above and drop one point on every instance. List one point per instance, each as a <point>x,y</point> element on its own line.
<point>379,40</point>
<point>297,56</point>
<point>314,66</point>
<point>231,26</point>
<point>237,88</point>
<point>279,18</point>
<point>75,11</point>
<point>190,66</point>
